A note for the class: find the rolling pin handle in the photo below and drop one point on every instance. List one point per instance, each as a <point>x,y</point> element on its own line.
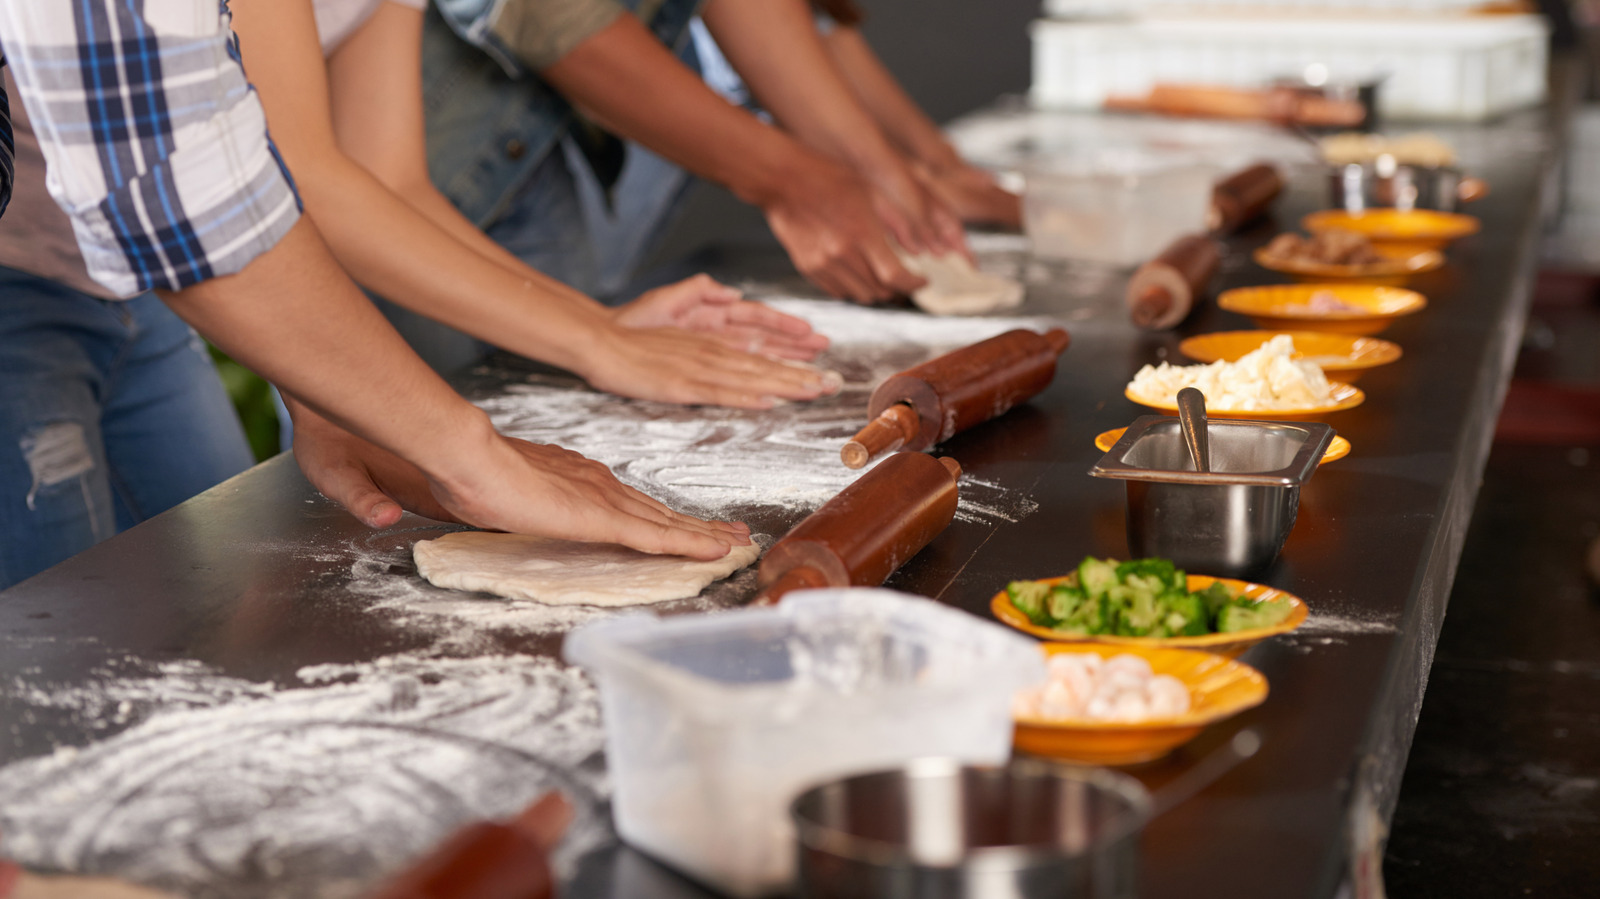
<point>1151,305</point>
<point>802,578</point>
<point>892,428</point>
<point>1058,340</point>
<point>951,466</point>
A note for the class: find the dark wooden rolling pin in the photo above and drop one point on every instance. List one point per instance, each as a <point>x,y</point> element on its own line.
<point>490,859</point>
<point>1243,197</point>
<point>1164,290</point>
<point>934,401</point>
<point>861,536</point>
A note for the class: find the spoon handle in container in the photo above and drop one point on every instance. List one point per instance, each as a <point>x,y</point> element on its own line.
<point>1196,434</point>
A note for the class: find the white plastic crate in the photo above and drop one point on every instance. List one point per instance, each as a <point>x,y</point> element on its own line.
<point>1464,68</point>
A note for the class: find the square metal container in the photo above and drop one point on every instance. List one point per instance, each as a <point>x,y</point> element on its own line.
<point>1232,520</point>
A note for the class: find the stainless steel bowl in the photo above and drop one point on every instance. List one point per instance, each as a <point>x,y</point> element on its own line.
<point>935,829</point>
<point>1232,520</point>
<point>1354,186</point>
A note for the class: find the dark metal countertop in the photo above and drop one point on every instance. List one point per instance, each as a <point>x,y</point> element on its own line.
<point>240,591</point>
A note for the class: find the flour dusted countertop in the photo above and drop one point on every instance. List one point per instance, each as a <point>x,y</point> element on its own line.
<point>255,696</point>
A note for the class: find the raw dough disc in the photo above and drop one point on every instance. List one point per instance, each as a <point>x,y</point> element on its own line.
<point>562,572</point>
<point>956,288</point>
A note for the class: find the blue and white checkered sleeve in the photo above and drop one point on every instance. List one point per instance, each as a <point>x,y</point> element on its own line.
<point>156,144</point>
<point>8,147</point>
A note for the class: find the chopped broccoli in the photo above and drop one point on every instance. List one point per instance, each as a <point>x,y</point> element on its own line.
<point>1184,614</point>
<point>1137,611</point>
<point>1216,597</point>
<point>1245,614</point>
<point>1139,598</point>
<point>1096,577</point>
<point>1161,570</point>
<point>1064,601</point>
<point>1090,618</point>
<point>1029,598</point>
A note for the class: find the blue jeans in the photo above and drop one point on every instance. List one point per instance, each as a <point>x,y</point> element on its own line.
<point>110,412</point>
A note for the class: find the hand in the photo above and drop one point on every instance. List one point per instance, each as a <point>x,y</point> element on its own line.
<point>702,305</point>
<point>973,194</point>
<point>508,485</point>
<point>917,217</point>
<point>673,365</point>
<point>829,222</point>
<point>530,488</point>
<point>370,482</point>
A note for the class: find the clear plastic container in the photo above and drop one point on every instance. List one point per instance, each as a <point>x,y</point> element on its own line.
<point>714,723</point>
<point>1119,208</point>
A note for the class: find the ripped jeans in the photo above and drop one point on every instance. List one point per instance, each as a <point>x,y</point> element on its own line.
<point>110,412</point>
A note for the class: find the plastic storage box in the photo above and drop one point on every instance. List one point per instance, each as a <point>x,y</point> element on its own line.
<point>714,723</point>
<point>1463,68</point>
<point>1118,208</point>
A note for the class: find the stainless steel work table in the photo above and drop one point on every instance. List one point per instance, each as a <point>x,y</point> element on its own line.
<point>244,587</point>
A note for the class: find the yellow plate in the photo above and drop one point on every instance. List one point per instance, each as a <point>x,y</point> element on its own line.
<point>1230,645</point>
<point>1415,229</point>
<point>1337,449</point>
<point>1344,356</point>
<point>1282,307</point>
<point>1397,266</point>
<point>1219,688</point>
<point>1341,397</point>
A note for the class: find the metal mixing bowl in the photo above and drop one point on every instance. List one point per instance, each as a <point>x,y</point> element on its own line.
<point>1232,520</point>
<point>935,829</point>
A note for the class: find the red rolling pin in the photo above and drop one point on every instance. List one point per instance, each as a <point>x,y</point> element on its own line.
<point>490,859</point>
<point>1164,290</point>
<point>934,401</point>
<point>869,530</point>
<point>1243,197</point>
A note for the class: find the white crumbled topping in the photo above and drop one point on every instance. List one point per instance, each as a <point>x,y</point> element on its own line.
<point>1267,378</point>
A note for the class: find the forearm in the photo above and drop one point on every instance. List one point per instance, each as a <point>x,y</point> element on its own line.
<point>294,317</point>
<point>631,84</point>
<point>388,247</point>
<point>896,113</point>
<point>775,47</point>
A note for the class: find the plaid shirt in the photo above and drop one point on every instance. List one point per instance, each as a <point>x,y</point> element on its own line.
<point>8,146</point>
<point>156,144</point>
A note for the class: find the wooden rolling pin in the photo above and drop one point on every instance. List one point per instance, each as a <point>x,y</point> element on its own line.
<point>861,536</point>
<point>1164,290</point>
<point>934,401</point>
<point>490,859</point>
<point>1243,197</point>
<point>1277,104</point>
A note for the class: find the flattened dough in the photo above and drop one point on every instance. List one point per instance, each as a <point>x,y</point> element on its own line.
<point>561,572</point>
<point>956,288</point>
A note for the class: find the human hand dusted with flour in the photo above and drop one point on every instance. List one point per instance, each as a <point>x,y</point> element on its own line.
<point>547,491</point>
<point>702,305</point>
<point>674,365</point>
<point>515,486</point>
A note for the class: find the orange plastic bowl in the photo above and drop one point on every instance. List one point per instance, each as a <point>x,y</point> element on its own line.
<point>1402,230</point>
<point>1219,688</point>
<point>1397,267</point>
<point>1341,397</point>
<point>1229,645</point>
<point>1337,449</point>
<point>1287,307</point>
<point>1342,356</point>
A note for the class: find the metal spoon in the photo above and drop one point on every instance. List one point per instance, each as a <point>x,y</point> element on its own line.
<point>1192,418</point>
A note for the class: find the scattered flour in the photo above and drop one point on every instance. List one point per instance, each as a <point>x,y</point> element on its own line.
<point>215,786</point>
<point>313,791</point>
